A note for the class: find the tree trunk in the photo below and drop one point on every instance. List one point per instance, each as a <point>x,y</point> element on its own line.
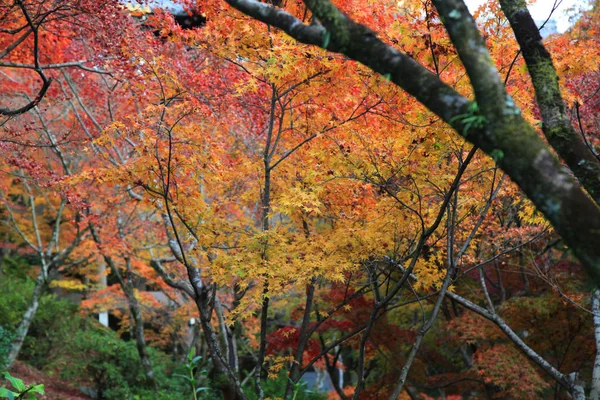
<point>226,379</point>
<point>134,309</point>
<point>294,376</point>
<point>595,392</point>
<point>140,339</point>
<point>577,392</point>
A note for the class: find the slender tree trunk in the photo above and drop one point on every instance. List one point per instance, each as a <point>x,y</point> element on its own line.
<point>265,202</point>
<point>140,339</point>
<point>577,390</point>
<point>23,328</point>
<point>134,308</point>
<point>228,344</point>
<point>303,340</point>
<point>227,380</point>
<point>137,322</point>
<point>595,392</point>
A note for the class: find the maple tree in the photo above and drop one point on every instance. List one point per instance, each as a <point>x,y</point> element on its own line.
<point>329,35</point>
<point>304,210</point>
<point>525,157</point>
<point>48,217</point>
<point>28,35</point>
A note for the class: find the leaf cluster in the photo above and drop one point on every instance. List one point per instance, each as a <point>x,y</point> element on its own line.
<point>19,390</point>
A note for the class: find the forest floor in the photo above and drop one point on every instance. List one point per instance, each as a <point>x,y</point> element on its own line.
<point>55,389</point>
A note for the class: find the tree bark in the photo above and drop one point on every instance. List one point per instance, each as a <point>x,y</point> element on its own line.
<point>230,384</point>
<point>137,322</point>
<point>595,392</point>
<point>556,125</point>
<point>231,388</point>
<point>302,341</point>
<point>140,339</point>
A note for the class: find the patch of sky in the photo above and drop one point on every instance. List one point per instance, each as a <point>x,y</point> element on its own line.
<point>562,18</point>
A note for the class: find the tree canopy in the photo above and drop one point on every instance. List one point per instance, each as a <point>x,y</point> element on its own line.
<point>400,196</point>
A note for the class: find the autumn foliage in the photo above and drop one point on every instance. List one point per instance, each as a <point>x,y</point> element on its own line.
<point>306,212</point>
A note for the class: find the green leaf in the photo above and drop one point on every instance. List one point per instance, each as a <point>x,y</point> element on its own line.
<point>187,378</point>
<point>37,389</point>
<point>191,354</point>
<point>196,359</point>
<point>16,382</point>
<point>4,392</point>
<point>202,389</point>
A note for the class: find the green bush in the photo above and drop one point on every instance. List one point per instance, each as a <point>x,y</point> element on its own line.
<point>5,339</point>
<point>79,349</point>
<point>51,331</point>
<point>16,295</point>
<point>111,367</point>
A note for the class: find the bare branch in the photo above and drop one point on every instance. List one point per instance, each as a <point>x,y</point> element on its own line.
<point>45,80</point>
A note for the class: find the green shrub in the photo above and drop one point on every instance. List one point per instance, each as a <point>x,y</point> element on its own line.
<point>51,332</point>
<point>5,339</point>
<point>111,367</point>
<point>79,349</point>
<point>16,295</point>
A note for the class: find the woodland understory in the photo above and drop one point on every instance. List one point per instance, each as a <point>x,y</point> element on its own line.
<point>298,199</point>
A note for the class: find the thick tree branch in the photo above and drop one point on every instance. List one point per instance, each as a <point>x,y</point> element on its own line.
<point>184,286</point>
<point>516,146</point>
<point>556,124</point>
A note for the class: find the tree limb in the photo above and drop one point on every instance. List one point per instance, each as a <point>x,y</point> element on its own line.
<point>556,124</point>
